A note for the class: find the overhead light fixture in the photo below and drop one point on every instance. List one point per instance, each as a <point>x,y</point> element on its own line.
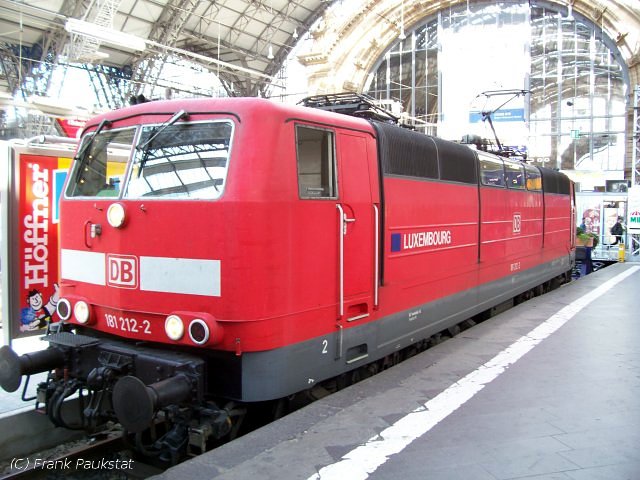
<point>50,106</point>
<point>295,33</point>
<point>53,107</point>
<point>270,54</point>
<point>106,35</point>
<point>204,60</point>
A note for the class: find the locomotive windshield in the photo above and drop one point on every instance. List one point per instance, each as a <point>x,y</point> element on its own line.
<point>183,160</point>
<point>101,163</point>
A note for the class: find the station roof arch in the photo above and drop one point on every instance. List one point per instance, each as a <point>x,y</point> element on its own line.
<point>245,42</point>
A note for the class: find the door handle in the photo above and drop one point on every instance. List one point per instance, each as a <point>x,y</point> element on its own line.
<point>342,231</point>
<point>346,220</point>
<point>343,219</point>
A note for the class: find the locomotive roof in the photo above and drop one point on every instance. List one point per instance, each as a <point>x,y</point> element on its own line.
<point>244,106</point>
<point>235,106</point>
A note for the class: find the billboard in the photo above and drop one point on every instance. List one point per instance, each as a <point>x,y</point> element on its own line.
<point>35,178</point>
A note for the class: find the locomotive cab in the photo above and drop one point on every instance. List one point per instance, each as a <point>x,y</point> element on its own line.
<point>199,246</point>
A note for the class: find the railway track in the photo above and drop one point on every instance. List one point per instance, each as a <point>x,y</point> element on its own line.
<point>99,456</point>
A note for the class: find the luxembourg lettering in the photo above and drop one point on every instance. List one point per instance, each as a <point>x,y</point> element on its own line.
<point>411,241</point>
<point>36,234</point>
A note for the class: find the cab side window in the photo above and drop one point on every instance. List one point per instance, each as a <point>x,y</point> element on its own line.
<point>514,175</point>
<point>534,180</point>
<point>491,171</point>
<point>316,157</point>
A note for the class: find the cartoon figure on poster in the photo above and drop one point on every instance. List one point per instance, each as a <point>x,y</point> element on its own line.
<point>38,315</point>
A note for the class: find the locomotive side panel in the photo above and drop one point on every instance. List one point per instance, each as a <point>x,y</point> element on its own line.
<point>432,240</point>
<point>559,222</point>
<point>332,227</point>
<point>498,219</point>
<point>291,227</point>
<point>431,260</point>
<point>557,227</point>
<point>511,231</point>
<point>431,215</point>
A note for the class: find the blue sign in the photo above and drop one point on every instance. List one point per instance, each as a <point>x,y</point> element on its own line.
<point>503,115</point>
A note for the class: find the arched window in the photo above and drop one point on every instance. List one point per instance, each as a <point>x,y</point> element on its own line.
<point>573,117</point>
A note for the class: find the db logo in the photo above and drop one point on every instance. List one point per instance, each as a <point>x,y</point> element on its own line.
<point>122,271</point>
<point>517,223</point>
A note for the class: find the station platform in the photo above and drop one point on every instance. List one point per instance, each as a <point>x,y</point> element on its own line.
<point>549,389</point>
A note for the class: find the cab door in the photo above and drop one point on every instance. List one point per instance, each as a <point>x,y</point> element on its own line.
<point>357,224</point>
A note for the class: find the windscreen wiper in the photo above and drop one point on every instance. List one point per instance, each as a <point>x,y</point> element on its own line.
<point>85,147</point>
<point>181,114</point>
<point>156,131</point>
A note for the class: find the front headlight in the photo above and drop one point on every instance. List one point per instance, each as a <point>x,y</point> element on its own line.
<point>173,327</point>
<point>81,312</point>
<point>116,215</point>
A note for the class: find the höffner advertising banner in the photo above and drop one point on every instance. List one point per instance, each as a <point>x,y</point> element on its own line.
<point>30,233</point>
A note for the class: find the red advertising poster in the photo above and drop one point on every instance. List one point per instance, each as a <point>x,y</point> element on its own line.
<point>40,187</point>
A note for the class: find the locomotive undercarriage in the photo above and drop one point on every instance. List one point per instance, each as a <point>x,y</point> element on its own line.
<point>157,396</point>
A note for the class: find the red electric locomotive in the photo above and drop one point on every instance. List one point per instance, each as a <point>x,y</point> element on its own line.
<point>238,250</point>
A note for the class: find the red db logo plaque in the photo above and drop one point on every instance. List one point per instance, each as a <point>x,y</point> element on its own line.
<point>122,271</point>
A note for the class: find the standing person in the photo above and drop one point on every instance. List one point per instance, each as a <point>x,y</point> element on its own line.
<point>617,230</point>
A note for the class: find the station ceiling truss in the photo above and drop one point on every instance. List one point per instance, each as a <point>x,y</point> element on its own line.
<point>245,42</point>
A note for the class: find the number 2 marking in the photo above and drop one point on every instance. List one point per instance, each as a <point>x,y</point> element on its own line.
<point>325,344</point>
